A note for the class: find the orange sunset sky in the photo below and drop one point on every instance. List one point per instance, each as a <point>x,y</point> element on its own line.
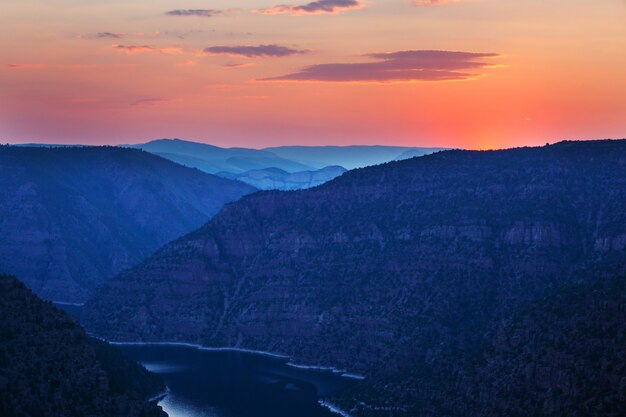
<point>473,74</point>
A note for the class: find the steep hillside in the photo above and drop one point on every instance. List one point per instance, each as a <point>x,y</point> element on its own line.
<point>277,179</point>
<point>561,355</point>
<point>72,217</point>
<point>49,368</point>
<point>394,271</point>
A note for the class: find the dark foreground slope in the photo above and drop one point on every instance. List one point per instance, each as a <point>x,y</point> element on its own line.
<point>564,355</point>
<point>72,217</point>
<point>561,355</point>
<point>48,366</point>
<point>397,271</point>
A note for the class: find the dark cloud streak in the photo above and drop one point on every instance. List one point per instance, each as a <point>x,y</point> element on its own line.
<point>315,7</point>
<point>402,66</point>
<point>109,35</point>
<point>194,12</point>
<point>145,101</point>
<point>432,2</point>
<point>253,51</point>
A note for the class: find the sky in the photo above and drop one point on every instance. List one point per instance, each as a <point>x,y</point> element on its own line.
<point>477,74</point>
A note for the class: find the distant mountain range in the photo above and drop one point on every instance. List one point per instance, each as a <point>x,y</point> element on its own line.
<point>269,168</point>
<point>213,159</point>
<point>349,157</point>
<point>50,368</point>
<point>247,163</point>
<point>463,283</point>
<point>277,179</point>
<point>71,217</point>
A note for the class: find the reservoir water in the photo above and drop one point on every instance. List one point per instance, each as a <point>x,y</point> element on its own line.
<point>229,383</point>
<point>206,383</point>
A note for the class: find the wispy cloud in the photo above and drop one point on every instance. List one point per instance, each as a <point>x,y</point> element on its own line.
<point>35,66</point>
<point>101,35</point>
<point>259,97</point>
<point>402,66</point>
<point>194,12</point>
<point>134,49</point>
<point>184,34</point>
<point>259,51</point>
<point>315,7</point>
<point>433,2</point>
<point>18,67</point>
<point>148,101</point>
<point>109,35</point>
<point>187,63</point>
<point>140,49</point>
<point>238,65</point>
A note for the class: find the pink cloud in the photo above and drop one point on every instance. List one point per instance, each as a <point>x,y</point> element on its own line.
<point>140,49</point>
<point>149,101</point>
<point>17,67</point>
<point>433,2</point>
<point>238,65</point>
<point>187,63</point>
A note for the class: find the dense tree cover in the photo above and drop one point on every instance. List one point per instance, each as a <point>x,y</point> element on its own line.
<point>561,355</point>
<point>72,217</point>
<point>402,272</point>
<point>50,368</point>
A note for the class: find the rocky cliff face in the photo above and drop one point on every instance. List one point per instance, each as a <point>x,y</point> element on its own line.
<point>72,217</point>
<point>396,271</point>
<point>49,368</point>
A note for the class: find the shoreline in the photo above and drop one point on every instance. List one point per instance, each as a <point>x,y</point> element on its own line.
<point>199,347</point>
<point>161,396</point>
<point>63,303</point>
<point>333,409</point>
<point>329,369</point>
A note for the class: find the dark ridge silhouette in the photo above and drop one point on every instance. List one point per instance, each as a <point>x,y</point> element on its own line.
<point>50,368</point>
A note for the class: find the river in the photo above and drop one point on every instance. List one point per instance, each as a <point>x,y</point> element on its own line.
<point>233,383</point>
<point>223,383</point>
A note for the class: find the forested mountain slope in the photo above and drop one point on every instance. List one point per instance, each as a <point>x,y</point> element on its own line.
<point>72,217</point>
<point>398,271</point>
<point>50,368</point>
